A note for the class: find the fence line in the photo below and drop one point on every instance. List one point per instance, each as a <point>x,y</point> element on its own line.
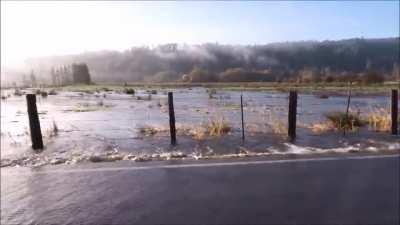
<point>292,114</point>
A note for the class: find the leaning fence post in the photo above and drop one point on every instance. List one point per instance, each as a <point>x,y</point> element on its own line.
<point>347,109</point>
<point>395,111</point>
<point>241,108</point>
<point>292,115</point>
<point>34,123</point>
<point>171,118</point>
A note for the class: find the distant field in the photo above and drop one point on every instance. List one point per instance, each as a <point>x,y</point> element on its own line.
<point>241,86</point>
<point>248,86</point>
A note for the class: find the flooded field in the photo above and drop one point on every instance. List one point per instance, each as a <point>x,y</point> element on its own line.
<point>111,125</point>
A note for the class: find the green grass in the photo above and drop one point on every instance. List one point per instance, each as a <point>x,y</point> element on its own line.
<point>239,86</point>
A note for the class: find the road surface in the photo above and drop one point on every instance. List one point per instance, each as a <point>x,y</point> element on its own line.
<point>355,190</point>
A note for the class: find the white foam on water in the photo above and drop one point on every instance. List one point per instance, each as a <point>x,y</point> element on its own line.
<point>204,165</point>
<point>38,160</point>
<point>394,146</point>
<point>295,149</point>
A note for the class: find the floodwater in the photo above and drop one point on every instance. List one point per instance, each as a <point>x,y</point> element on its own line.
<point>111,125</point>
<point>108,126</point>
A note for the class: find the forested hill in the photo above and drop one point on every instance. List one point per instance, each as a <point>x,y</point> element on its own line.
<point>293,61</point>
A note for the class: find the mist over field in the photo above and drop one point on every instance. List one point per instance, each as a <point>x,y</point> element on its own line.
<point>303,61</point>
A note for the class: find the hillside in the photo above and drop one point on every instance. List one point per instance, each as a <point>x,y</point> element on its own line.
<point>306,61</point>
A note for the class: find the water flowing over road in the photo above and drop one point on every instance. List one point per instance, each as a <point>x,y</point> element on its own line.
<point>328,190</point>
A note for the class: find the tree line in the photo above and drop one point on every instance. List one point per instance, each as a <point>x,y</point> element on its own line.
<point>363,60</point>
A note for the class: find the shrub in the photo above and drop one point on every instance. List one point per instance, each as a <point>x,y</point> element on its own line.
<point>43,94</point>
<point>80,73</point>
<point>165,76</point>
<point>211,93</point>
<point>52,92</point>
<point>18,92</point>
<point>372,77</point>
<point>199,75</point>
<point>233,75</point>
<point>243,75</point>
<point>129,91</point>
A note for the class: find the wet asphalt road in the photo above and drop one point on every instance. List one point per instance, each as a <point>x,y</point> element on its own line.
<point>344,191</point>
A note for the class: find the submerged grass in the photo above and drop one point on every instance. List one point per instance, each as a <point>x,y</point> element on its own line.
<point>88,107</point>
<point>379,120</point>
<point>340,121</point>
<point>54,130</point>
<point>148,130</point>
<point>322,127</point>
<point>277,125</point>
<point>216,127</point>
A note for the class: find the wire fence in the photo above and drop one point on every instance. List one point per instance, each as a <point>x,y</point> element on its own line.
<point>121,116</point>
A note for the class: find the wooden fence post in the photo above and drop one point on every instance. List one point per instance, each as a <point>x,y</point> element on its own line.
<point>172,118</point>
<point>292,115</point>
<point>347,109</point>
<point>34,123</point>
<point>395,111</point>
<point>241,108</point>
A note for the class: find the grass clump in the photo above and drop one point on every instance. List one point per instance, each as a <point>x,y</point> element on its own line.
<point>144,98</point>
<point>151,130</point>
<point>340,120</point>
<point>129,91</point>
<point>84,107</point>
<point>214,128</point>
<point>379,120</point>
<point>275,123</point>
<point>322,127</point>
<point>218,127</point>
<point>52,92</point>
<point>18,92</point>
<point>211,93</point>
<point>44,94</point>
<point>53,132</point>
<point>278,127</point>
<point>106,89</point>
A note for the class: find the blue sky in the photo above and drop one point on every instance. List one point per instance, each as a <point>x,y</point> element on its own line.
<point>62,27</point>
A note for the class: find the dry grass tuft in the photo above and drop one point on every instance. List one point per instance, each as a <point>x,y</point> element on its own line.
<point>218,127</point>
<point>53,132</point>
<point>276,124</point>
<point>199,133</point>
<point>340,121</point>
<point>151,130</point>
<point>322,127</point>
<point>214,128</point>
<point>379,120</point>
<point>148,131</point>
